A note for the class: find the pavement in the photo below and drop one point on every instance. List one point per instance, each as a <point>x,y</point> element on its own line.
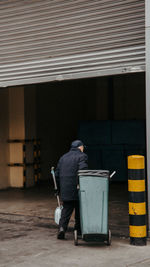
<point>28,234</point>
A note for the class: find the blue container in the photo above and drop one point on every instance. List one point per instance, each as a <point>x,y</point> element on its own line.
<point>93,196</point>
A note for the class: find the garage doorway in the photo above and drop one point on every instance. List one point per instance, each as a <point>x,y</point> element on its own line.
<point>69,110</point>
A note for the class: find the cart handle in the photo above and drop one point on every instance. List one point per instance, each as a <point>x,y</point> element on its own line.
<point>113,173</point>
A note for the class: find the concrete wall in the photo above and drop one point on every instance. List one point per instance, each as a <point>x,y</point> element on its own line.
<point>17,121</point>
<point>22,125</point>
<point>11,127</point>
<point>4,134</point>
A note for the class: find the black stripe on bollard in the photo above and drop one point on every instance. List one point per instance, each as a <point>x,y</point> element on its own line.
<point>137,197</point>
<point>137,220</point>
<point>136,174</point>
<point>138,241</point>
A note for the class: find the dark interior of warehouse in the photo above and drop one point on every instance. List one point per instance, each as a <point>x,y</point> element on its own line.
<point>106,113</point>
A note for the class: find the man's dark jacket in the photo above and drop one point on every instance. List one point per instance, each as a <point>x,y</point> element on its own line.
<point>66,173</point>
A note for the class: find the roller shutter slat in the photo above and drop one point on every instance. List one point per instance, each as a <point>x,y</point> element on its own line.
<point>48,40</point>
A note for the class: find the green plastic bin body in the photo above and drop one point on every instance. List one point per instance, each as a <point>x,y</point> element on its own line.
<point>93,197</point>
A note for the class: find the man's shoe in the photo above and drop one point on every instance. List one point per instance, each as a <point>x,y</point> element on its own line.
<point>61,233</point>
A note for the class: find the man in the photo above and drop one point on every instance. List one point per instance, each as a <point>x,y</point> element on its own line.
<point>67,181</point>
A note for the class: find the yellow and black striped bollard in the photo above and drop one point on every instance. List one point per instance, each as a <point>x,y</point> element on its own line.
<point>137,204</point>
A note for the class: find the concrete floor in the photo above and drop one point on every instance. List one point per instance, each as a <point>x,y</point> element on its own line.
<point>28,234</point>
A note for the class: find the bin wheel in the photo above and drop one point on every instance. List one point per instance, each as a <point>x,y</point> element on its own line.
<point>75,238</point>
<point>109,238</point>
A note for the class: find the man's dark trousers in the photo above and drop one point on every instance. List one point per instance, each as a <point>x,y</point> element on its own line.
<point>68,207</point>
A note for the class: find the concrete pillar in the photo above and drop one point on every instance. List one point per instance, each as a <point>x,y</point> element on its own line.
<point>22,126</point>
<point>147,31</point>
<point>16,131</point>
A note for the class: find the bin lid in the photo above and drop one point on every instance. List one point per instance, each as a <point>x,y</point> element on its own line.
<point>99,173</point>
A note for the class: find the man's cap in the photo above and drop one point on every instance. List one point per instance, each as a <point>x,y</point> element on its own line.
<point>77,143</point>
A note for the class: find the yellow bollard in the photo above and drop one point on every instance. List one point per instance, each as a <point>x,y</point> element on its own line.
<point>137,204</point>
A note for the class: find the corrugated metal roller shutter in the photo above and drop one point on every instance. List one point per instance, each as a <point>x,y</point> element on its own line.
<point>47,40</point>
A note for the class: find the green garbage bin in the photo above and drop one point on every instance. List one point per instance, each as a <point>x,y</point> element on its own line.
<point>93,197</point>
